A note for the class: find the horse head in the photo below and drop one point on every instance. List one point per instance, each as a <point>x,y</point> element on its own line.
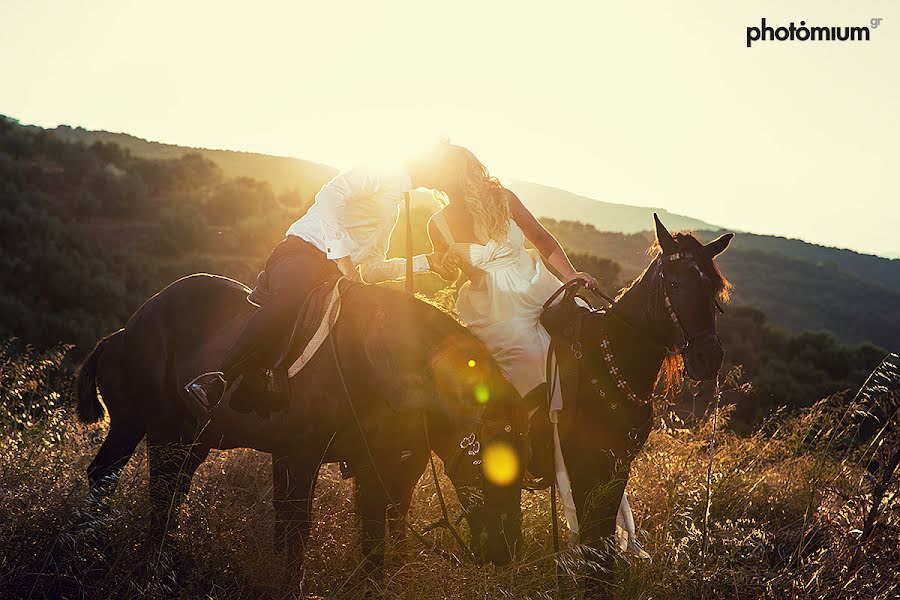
<point>688,285</point>
<point>484,446</point>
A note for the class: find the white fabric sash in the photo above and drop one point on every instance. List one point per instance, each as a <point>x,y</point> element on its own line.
<point>328,320</point>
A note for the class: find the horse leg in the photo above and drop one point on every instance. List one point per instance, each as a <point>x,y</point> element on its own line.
<point>280,483</point>
<point>598,504</point>
<point>294,482</point>
<point>371,508</point>
<point>172,465</point>
<point>103,472</point>
<point>402,486</point>
<point>126,427</point>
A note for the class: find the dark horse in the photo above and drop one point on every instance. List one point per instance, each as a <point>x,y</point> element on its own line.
<point>610,363</point>
<point>397,380</point>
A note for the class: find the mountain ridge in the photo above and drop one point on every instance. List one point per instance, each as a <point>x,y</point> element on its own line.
<point>834,272</point>
<point>556,203</point>
<point>294,177</point>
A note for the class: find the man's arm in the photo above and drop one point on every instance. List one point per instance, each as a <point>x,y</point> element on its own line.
<point>332,200</point>
<point>377,268</point>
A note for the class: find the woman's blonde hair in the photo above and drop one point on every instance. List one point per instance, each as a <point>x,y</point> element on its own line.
<point>485,197</point>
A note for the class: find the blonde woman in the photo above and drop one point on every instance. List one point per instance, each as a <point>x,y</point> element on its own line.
<point>482,229</point>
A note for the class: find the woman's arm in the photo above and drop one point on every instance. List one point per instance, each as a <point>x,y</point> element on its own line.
<point>440,260</point>
<point>545,243</point>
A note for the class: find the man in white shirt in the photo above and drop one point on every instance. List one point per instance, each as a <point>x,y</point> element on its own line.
<point>347,230</point>
<point>351,223</point>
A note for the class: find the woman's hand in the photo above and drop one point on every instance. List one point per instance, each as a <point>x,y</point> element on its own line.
<point>589,281</point>
<point>444,264</point>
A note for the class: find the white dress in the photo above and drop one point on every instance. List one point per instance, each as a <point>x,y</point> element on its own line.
<point>501,303</point>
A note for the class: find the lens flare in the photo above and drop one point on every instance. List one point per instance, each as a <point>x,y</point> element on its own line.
<point>471,363</point>
<point>500,464</point>
<point>482,393</point>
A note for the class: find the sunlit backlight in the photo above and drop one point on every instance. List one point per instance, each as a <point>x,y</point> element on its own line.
<point>500,464</point>
<point>482,393</point>
<point>471,363</point>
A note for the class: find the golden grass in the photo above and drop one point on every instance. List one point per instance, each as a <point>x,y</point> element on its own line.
<point>784,509</point>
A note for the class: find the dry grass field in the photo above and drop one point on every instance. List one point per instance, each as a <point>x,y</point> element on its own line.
<point>790,506</point>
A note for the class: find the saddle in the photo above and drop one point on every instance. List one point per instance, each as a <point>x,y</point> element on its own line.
<point>562,321</point>
<point>304,335</point>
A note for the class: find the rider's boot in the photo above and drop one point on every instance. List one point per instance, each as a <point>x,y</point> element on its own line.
<point>249,350</point>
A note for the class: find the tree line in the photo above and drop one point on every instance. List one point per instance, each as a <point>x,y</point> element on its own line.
<point>88,232</point>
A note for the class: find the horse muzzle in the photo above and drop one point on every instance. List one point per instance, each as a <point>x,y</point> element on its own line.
<point>703,357</point>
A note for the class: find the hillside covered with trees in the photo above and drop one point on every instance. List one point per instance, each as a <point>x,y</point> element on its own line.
<point>88,232</point>
<point>855,303</point>
<point>800,286</point>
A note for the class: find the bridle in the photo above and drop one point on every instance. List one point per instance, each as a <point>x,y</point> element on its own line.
<point>573,288</point>
<point>679,347</point>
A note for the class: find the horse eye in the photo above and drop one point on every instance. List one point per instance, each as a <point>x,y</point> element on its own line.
<point>673,285</point>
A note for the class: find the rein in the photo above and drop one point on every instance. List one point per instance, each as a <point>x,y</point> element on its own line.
<point>444,521</point>
<point>571,289</point>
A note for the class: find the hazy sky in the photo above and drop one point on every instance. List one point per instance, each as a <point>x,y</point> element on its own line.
<point>650,103</point>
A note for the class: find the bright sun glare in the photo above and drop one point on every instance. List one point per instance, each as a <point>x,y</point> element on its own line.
<point>501,465</point>
<point>674,112</point>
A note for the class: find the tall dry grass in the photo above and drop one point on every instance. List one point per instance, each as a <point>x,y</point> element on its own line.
<point>789,508</point>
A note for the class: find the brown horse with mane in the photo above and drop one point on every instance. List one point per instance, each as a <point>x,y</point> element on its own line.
<point>396,381</point>
<point>610,363</point>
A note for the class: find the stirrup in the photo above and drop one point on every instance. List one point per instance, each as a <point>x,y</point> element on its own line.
<point>533,483</point>
<point>199,388</point>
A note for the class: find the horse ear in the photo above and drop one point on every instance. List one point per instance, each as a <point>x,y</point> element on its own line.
<point>718,245</point>
<point>663,237</point>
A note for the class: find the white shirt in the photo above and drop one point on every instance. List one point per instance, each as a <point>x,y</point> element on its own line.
<point>353,215</point>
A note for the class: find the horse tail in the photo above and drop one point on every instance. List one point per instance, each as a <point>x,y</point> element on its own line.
<point>90,407</point>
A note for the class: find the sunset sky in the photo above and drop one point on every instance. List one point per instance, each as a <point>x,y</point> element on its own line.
<point>650,103</point>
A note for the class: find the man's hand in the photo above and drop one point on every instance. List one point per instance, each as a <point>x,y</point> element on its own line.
<point>345,264</point>
<point>444,264</point>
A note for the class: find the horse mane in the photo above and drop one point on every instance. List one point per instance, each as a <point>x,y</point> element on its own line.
<point>670,373</point>
<point>442,308</point>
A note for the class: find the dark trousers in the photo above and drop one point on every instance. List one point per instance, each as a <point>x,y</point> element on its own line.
<point>293,269</point>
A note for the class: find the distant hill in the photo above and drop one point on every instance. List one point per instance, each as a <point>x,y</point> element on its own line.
<point>307,177</point>
<point>873,270</point>
<point>545,201</point>
<point>561,205</point>
<point>282,173</point>
<point>794,293</point>
<point>853,295</point>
